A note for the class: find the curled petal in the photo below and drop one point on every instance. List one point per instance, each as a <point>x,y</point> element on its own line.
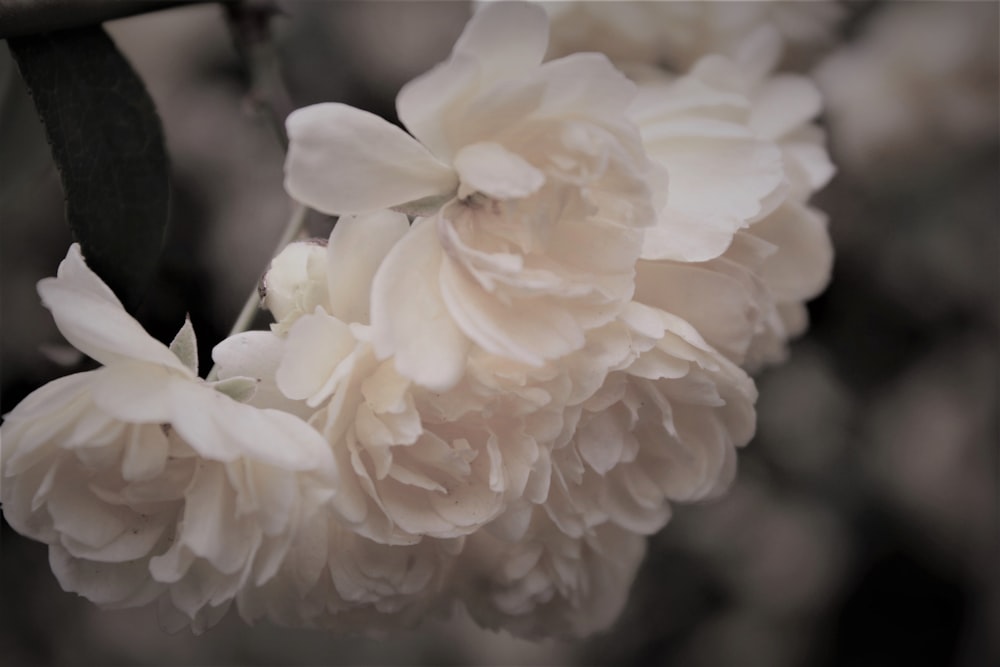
<point>92,319</point>
<point>491,169</point>
<point>357,246</point>
<point>409,318</point>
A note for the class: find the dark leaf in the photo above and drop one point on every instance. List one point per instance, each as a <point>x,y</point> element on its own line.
<point>30,17</point>
<point>108,144</point>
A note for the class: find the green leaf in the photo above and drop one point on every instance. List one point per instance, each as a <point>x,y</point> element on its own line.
<point>107,142</point>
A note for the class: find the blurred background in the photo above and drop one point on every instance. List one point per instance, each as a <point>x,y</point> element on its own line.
<point>863,526</point>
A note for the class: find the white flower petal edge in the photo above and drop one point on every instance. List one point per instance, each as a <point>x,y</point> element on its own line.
<point>145,482</point>
<point>93,320</point>
<point>549,584</point>
<point>374,165</point>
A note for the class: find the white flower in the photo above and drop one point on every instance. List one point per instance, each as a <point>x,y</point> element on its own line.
<point>338,580</point>
<point>414,463</point>
<point>535,182</point>
<point>146,482</point>
<point>663,429</point>
<point>295,282</point>
<point>916,89</point>
<point>678,33</point>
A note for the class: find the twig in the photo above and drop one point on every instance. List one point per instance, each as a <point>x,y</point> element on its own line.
<point>32,17</point>
<point>252,305</point>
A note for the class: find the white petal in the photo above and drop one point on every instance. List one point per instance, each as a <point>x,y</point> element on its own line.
<point>585,83</point>
<point>499,42</point>
<point>716,187</point>
<point>491,169</point>
<point>759,53</point>
<point>782,104</point>
<point>529,331</point>
<point>316,346</point>
<point>74,270</point>
<point>506,38</point>
<point>145,453</point>
<point>100,583</point>
<point>94,322</point>
<point>424,103</point>
<point>725,318</point>
<point>52,410</point>
<point>221,429</point>
<point>801,266</point>
<point>686,237</point>
<point>257,354</point>
<point>808,159</point>
<point>209,527</point>
<point>409,318</point>
<point>344,160</point>
<point>133,392</point>
<point>357,246</point>
<point>295,282</point>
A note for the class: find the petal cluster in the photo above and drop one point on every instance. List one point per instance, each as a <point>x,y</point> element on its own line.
<point>527,337</point>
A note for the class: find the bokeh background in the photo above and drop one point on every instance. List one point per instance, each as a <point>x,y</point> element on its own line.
<point>863,526</point>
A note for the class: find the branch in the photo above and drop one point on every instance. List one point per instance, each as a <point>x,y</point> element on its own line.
<point>31,17</point>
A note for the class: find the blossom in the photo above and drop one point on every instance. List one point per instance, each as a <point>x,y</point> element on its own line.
<point>677,34</point>
<point>533,185</point>
<point>414,463</point>
<point>662,428</point>
<point>917,87</point>
<point>336,579</point>
<point>549,584</point>
<point>147,483</point>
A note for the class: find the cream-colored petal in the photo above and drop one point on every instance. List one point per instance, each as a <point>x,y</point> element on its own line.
<point>783,103</point>
<point>94,322</point>
<point>505,38</point>
<point>316,346</point>
<point>343,160</point>
<point>357,246</point>
<point>491,169</point>
<point>410,321</point>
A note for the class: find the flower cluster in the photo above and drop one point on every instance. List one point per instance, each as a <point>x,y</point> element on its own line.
<point>526,337</point>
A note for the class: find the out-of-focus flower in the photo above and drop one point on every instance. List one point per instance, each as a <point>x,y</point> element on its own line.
<point>338,580</point>
<point>549,583</point>
<point>535,183</point>
<point>677,33</point>
<point>919,83</point>
<point>146,482</point>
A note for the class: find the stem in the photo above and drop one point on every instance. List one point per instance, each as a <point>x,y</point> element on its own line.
<point>252,305</point>
<point>250,28</point>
